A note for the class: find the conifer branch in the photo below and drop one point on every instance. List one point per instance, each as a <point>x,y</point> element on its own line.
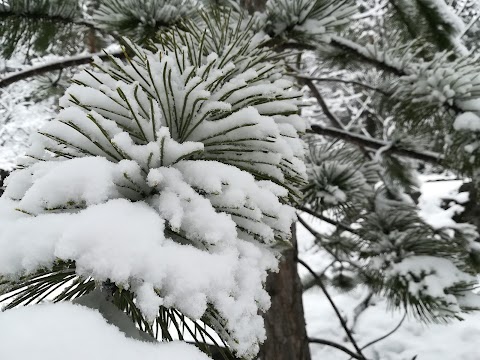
<point>44,17</point>
<point>353,82</point>
<point>427,156</point>
<point>327,220</point>
<point>320,283</point>
<point>350,47</point>
<point>56,65</point>
<point>357,50</point>
<point>331,116</point>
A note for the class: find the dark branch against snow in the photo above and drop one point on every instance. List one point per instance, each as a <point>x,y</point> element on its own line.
<point>55,65</point>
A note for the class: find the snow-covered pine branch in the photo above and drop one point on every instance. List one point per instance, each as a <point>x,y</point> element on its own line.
<point>37,23</point>
<point>306,22</point>
<point>169,175</point>
<point>140,19</point>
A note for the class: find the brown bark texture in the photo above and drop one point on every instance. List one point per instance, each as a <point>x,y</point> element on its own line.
<point>285,321</point>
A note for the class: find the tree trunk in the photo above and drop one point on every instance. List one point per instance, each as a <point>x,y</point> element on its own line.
<point>285,321</point>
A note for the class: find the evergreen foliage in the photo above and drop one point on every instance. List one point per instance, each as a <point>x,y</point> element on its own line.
<point>203,94</point>
<point>37,24</point>
<point>428,92</point>
<point>206,141</point>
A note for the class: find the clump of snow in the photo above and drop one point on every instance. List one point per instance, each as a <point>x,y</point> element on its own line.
<point>430,202</point>
<point>39,332</point>
<point>467,121</point>
<point>429,276</point>
<point>121,241</point>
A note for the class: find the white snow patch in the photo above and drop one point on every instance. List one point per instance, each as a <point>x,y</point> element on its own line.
<point>59,331</point>
<point>467,121</point>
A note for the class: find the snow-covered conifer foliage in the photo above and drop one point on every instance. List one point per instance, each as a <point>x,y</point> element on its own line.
<point>168,175</point>
<point>428,268</point>
<point>305,20</point>
<point>141,18</point>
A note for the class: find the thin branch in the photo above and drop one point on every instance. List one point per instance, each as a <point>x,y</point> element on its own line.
<point>45,17</point>
<point>55,82</point>
<point>351,47</point>
<point>56,65</point>
<point>344,82</point>
<point>310,282</point>
<point>383,337</point>
<point>360,308</point>
<point>318,237</point>
<point>387,334</point>
<point>328,220</point>
<point>331,116</point>
<point>355,49</point>
<point>335,345</point>
<point>308,227</point>
<point>427,156</point>
<point>469,26</point>
<point>336,122</point>
<point>360,356</point>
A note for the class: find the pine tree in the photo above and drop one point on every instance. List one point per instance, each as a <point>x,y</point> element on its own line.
<point>402,96</point>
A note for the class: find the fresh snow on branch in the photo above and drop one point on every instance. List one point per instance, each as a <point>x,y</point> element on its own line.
<point>169,176</point>
<point>88,337</point>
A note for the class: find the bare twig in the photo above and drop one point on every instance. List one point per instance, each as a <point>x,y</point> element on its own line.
<point>337,346</point>
<point>336,122</point>
<point>327,220</point>
<point>56,65</point>
<point>44,18</point>
<point>360,308</point>
<point>360,356</point>
<point>427,156</point>
<point>310,282</point>
<point>308,227</point>
<point>55,82</point>
<point>318,237</point>
<point>353,82</point>
<point>387,334</point>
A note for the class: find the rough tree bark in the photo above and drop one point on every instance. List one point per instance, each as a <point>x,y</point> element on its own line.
<point>285,321</point>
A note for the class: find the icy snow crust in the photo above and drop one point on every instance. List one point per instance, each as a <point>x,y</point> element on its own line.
<point>88,337</point>
<point>143,183</point>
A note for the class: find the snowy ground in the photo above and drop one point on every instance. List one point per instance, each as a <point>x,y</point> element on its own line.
<point>23,110</point>
<point>455,341</point>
